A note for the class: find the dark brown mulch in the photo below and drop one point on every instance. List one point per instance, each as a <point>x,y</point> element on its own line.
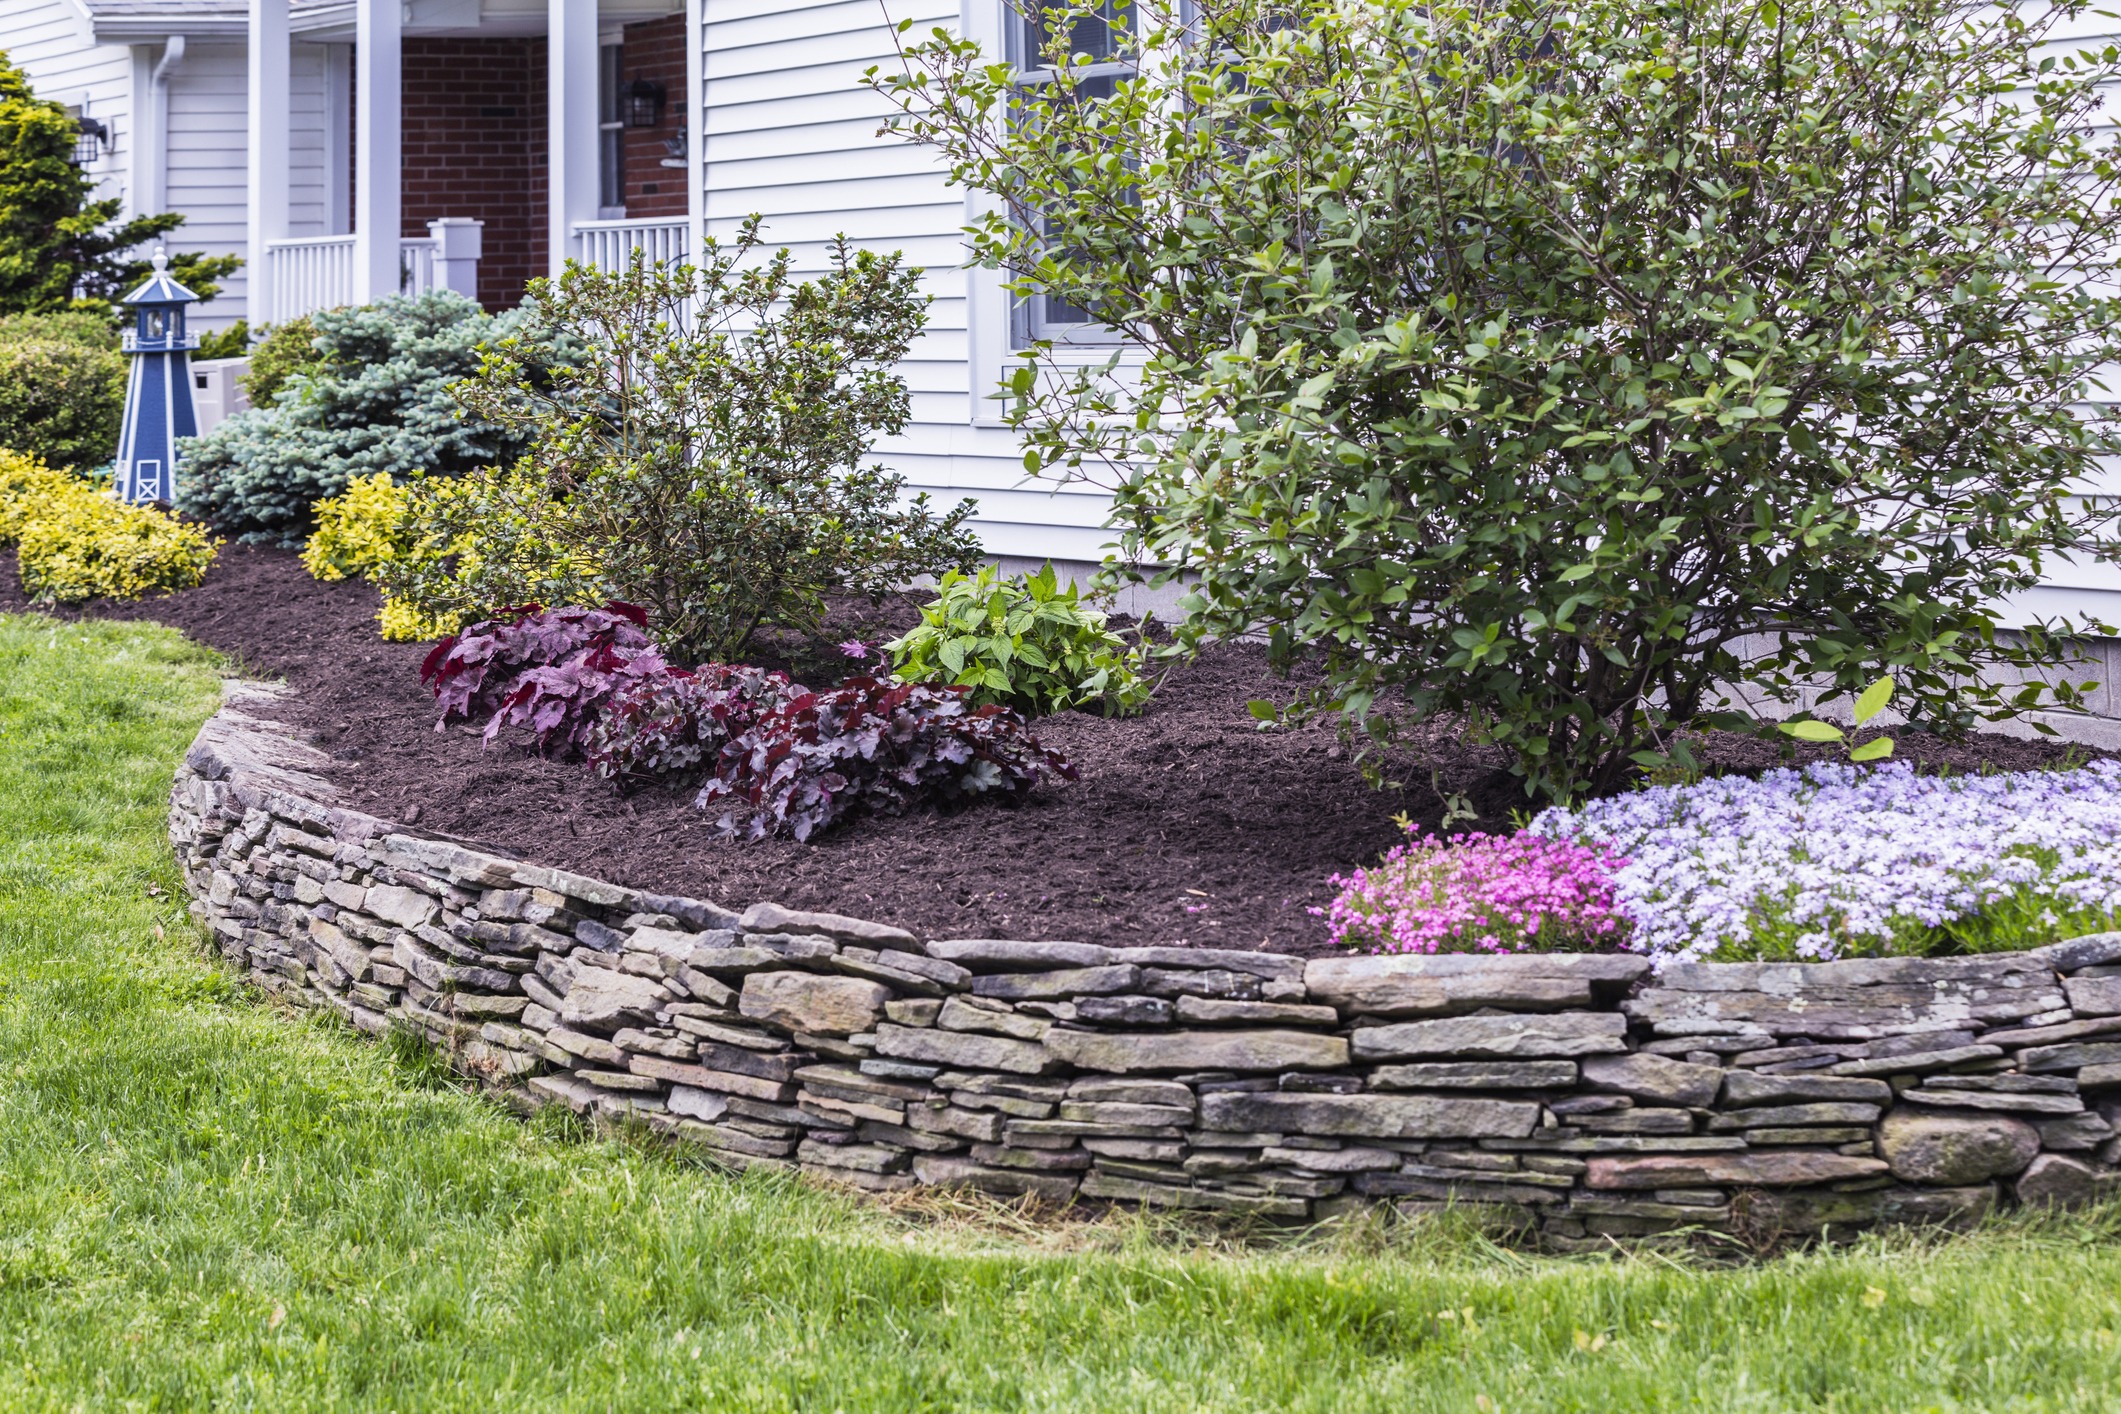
<point>1189,826</point>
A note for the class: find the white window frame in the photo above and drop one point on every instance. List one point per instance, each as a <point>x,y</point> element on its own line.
<point>997,323</point>
<point>1024,77</point>
<point>611,150</point>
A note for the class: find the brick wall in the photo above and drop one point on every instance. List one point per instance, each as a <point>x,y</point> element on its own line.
<point>655,50</point>
<point>474,145</point>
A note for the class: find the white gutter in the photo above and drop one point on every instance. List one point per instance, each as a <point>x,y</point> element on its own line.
<point>157,195</point>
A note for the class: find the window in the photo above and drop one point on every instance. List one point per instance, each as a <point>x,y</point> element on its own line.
<point>1104,39</point>
<point>611,133</point>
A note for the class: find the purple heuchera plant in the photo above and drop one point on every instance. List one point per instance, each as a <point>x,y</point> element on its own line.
<point>1843,857</point>
<point>678,723</point>
<point>550,670</point>
<point>1478,893</point>
<point>870,746</point>
<point>470,672</point>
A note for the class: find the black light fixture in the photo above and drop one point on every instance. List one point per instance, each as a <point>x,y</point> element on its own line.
<point>644,103</point>
<point>91,141</point>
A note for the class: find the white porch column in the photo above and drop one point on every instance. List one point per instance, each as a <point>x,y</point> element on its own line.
<point>269,57</point>
<point>571,117</point>
<point>695,130</point>
<point>377,156</point>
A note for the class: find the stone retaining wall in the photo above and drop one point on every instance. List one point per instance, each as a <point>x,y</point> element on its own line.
<point>1576,1093</point>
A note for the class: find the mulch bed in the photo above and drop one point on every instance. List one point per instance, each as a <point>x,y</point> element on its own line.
<point>1189,826</point>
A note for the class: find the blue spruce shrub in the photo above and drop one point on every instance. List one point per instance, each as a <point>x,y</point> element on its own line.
<point>377,399</point>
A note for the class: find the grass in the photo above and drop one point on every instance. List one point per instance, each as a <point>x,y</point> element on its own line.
<point>209,1203</point>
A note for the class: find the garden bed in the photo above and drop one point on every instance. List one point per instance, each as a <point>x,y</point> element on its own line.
<point>1188,827</point>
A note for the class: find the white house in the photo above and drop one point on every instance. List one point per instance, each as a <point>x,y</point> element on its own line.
<point>567,128</point>
<point>294,132</point>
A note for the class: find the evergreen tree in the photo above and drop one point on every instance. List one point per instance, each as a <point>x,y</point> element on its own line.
<point>58,248</point>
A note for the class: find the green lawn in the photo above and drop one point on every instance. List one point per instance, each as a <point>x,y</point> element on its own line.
<point>206,1202</point>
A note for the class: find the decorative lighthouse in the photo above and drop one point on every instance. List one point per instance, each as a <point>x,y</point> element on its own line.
<point>158,405</point>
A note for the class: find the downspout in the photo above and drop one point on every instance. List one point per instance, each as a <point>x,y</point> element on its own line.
<point>158,96</point>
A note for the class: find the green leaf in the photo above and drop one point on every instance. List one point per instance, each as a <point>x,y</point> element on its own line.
<point>1874,699</point>
<point>1811,730</point>
<point>1263,710</point>
<point>1876,749</point>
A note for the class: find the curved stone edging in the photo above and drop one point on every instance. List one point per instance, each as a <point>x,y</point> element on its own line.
<point>1581,1097</point>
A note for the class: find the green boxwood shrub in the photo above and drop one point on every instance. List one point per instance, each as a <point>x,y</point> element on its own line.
<point>286,349</point>
<point>62,387</point>
<point>376,398</point>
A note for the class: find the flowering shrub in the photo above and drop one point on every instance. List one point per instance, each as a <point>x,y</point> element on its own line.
<point>673,724</point>
<point>1836,861</point>
<point>875,747</point>
<point>1478,893</point>
<point>548,670</point>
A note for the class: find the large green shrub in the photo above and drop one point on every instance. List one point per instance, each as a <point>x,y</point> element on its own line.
<point>287,349</point>
<point>58,248</point>
<point>377,397</point>
<point>1021,641</point>
<point>62,387</point>
<point>704,459</point>
<point>1562,366</point>
<point>83,327</point>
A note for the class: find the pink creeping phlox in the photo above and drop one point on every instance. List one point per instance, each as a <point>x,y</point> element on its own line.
<point>1478,893</point>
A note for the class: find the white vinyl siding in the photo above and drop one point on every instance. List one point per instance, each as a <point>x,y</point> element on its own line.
<point>207,144</point>
<point>208,156</point>
<point>308,206</point>
<point>788,132</point>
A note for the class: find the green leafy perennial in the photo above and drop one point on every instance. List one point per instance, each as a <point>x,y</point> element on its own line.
<point>1022,642</point>
<point>1562,366</point>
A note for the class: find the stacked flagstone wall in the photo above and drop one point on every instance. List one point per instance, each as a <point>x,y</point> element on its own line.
<point>1575,1093</point>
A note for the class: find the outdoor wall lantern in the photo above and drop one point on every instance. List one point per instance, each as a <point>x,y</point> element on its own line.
<point>91,141</point>
<point>644,103</point>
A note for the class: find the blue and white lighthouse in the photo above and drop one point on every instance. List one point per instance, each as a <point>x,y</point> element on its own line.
<point>158,405</point>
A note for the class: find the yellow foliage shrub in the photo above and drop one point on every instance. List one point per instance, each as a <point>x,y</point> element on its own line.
<point>26,482</point>
<point>75,542</point>
<point>403,623</point>
<point>361,531</point>
<point>357,531</point>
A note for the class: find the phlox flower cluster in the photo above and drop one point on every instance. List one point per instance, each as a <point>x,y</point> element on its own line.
<point>1837,860</point>
<point>1478,893</point>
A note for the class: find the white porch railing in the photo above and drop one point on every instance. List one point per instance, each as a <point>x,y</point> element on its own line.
<point>609,245</point>
<point>316,272</point>
<point>306,275</point>
<point>416,266</point>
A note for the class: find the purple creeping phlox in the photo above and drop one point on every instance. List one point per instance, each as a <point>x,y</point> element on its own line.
<point>1478,893</point>
<point>1838,860</point>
